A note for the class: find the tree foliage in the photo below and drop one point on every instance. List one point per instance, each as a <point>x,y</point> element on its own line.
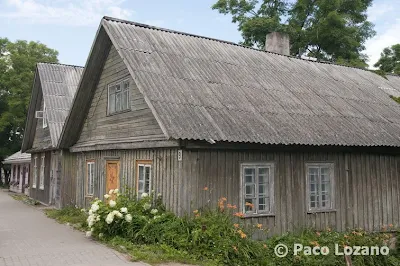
<point>17,67</point>
<point>390,60</point>
<point>332,30</point>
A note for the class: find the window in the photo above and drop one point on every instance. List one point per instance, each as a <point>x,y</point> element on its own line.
<point>143,184</point>
<point>258,188</point>
<point>34,172</point>
<point>41,176</point>
<point>44,116</point>
<point>118,97</point>
<point>90,178</point>
<point>320,186</point>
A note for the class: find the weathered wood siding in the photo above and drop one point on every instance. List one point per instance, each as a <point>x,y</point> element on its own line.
<point>139,123</point>
<point>41,195</point>
<point>42,139</point>
<point>67,179</point>
<point>166,179</point>
<point>368,196</point>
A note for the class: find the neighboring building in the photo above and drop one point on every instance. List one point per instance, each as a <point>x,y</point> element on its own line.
<point>20,164</point>
<point>52,94</point>
<point>293,143</point>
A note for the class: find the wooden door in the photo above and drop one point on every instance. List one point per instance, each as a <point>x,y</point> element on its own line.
<point>112,175</point>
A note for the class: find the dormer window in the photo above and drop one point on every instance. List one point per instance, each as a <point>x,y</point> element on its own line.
<point>44,116</point>
<point>118,96</point>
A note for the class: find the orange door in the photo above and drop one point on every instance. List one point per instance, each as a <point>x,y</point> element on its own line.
<point>112,175</point>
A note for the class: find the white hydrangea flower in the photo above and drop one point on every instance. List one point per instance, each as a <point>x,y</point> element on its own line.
<point>116,191</point>
<point>95,207</point>
<point>101,235</point>
<point>144,195</point>
<point>147,206</point>
<point>156,217</point>
<point>106,196</point>
<point>91,229</point>
<point>83,210</point>
<point>88,233</point>
<point>124,210</point>
<point>128,218</point>
<point>90,212</point>
<point>154,211</point>
<point>159,195</point>
<point>109,218</point>
<point>112,203</point>
<point>97,218</point>
<point>111,191</point>
<point>117,213</point>
<point>90,220</point>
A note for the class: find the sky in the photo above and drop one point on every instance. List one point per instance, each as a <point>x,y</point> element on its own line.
<point>69,26</point>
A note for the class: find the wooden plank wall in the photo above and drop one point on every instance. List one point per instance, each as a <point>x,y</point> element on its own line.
<point>138,123</point>
<point>167,178</point>
<point>368,197</point>
<point>38,194</point>
<point>67,169</point>
<point>42,137</point>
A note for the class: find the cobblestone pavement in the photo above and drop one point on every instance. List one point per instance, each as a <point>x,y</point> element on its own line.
<point>28,237</point>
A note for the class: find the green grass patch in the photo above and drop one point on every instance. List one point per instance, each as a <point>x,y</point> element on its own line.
<point>70,215</point>
<point>25,199</point>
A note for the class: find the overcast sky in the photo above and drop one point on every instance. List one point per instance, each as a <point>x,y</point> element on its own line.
<point>69,26</point>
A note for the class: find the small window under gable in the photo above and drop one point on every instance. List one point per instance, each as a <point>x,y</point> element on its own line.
<point>118,96</point>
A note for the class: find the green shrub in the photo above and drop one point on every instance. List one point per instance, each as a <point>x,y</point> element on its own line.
<point>216,236</point>
<point>70,215</point>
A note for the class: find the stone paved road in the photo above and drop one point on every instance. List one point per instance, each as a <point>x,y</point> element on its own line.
<point>28,237</point>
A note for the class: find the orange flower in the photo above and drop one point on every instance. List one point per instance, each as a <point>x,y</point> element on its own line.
<point>346,236</point>
<point>251,205</point>
<point>265,246</point>
<point>205,188</point>
<point>328,229</point>
<point>239,214</point>
<point>383,228</point>
<point>314,243</point>
<point>390,225</point>
<point>196,211</point>
<point>236,225</point>
<point>318,233</point>
<point>223,199</point>
<point>197,215</point>
<point>242,235</point>
<point>235,248</point>
<point>221,204</point>
<point>259,226</point>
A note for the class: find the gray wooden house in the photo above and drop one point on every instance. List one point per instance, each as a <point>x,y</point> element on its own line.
<point>52,94</point>
<point>293,143</point>
<point>20,165</point>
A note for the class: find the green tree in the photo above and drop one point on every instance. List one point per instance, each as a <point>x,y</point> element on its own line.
<point>17,67</point>
<point>390,60</point>
<point>332,30</point>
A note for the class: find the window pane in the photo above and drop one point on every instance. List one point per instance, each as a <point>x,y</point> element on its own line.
<point>118,102</point>
<point>141,173</point>
<point>118,87</point>
<point>249,205</point>
<point>250,191</point>
<point>111,103</point>
<point>147,180</point>
<point>263,204</point>
<point>125,100</point>
<point>111,90</point>
<point>249,175</point>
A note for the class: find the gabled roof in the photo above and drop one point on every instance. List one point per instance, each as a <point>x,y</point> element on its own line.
<point>18,157</point>
<point>57,83</point>
<point>205,89</point>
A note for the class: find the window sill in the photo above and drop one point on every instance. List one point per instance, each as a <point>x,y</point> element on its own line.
<point>88,196</point>
<point>119,112</point>
<point>34,187</point>
<point>320,211</point>
<point>256,215</point>
<point>41,188</point>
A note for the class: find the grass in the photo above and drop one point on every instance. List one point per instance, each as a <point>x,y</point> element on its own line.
<point>69,215</point>
<point>152,254</point>
<point>25,199</point>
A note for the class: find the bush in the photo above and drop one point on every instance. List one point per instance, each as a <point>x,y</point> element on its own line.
<point>217,236</point>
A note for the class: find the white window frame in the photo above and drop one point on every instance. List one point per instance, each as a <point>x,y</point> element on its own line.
<point>44,115</point>
<point>90,165</point>
<point>121,92</point>
<point>271,190</point>
<point>34,181</point>
<point>42,170</point>
<point>331,195</point>
<point>144,165</point>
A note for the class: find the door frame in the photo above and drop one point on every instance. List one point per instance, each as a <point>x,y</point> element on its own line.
<point>118,172</point>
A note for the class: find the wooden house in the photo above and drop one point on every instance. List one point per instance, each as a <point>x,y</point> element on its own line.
<point>52,94</point>
<point>292,143</point>
<point>20,165</point>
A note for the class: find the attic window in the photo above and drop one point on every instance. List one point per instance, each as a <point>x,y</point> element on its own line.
<point>118,96</point>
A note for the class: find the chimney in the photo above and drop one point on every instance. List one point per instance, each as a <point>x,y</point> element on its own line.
<point>277,42</point>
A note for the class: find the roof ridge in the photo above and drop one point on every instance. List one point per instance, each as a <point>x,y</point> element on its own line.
<point>60,64</point>
<point>223,41</point>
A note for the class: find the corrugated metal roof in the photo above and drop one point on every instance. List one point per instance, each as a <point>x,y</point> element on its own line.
<point>17,158</point>
<point>59,83</point>
<point>204,89</point>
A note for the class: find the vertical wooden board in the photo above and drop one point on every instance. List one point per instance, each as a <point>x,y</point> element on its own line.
<point>359,183</point>
<point>383,189</point>
<point>395,190</point>
<point>355,187</point>
<point>289,191</point>
<point>389,185</point>
<point>234,186</point>
<point>375,195</point>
